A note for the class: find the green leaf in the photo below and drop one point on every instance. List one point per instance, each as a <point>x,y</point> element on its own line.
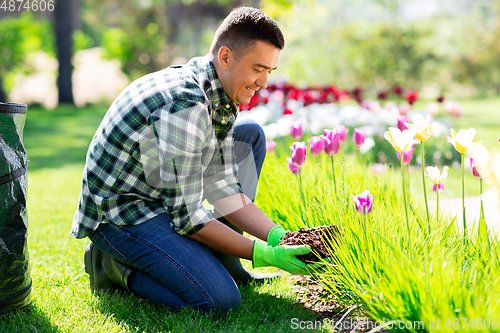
<point>448,231</point>
<point>482,232</point>
<point>420,222</point>
<point>395,250</point>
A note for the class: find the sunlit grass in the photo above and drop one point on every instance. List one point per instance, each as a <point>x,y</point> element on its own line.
<point>443,280</point>
<point>435,277</point>
<point>56,143</point>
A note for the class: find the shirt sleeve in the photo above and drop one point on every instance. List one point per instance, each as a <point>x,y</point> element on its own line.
<point>221,179</point>
<point>180,129</point>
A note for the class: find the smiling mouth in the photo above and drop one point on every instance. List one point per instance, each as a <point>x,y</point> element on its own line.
<point>252,90</point>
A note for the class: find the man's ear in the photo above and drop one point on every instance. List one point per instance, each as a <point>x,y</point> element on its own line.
<point>224,57</point>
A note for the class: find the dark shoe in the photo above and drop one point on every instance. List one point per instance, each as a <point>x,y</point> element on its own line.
<point>106,274</point>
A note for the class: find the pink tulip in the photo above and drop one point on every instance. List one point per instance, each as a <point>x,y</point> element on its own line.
<point>439,187</point>
<point>299,151</point>
<point>296,130</point>
<point>342,133</point>
<point>292,167</point>
<point>402,121</point>
<point>458,113</point>
<point>358,136</point>
<point>450,107</point>
<point>432,109</point>
<point>363,202</point>
<point>316,144</point>
<point>331,141</point>
<point>407,155</point>
<point>473,167</point>
<point>270,144</point>
<point>403,109</point>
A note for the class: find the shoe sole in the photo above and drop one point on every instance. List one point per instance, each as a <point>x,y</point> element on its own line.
<point>89,269</point>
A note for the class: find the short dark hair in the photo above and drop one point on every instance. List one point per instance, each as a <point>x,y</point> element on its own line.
<point>242,27</point>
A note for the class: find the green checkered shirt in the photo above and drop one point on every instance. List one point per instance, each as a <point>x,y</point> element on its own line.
<point>165,145</point>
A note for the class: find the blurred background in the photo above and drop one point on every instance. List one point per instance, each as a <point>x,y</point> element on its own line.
<point>85,51</point>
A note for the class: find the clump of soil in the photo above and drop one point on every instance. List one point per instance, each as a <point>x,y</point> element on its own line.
<point>319,239</point>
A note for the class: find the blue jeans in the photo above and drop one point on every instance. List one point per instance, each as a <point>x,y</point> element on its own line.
<point>175,270</point>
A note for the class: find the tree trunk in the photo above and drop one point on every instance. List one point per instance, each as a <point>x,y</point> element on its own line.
<point>3,95</point>
<point>62,15</point>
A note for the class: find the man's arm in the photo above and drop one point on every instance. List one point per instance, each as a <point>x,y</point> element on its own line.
<point>220,237</point>
<point>244,214</point>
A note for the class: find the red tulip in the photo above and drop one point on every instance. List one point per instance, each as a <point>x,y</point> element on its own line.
<point>382,95</point>
<point>411,97</point>
<point>397,90</point>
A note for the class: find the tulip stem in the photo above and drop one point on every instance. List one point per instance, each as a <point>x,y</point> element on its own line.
<point>406,204</point>
<point>437,204</point>
<point>303,200</point>
<point>425,193</point>
<point>333,176</point>
<point>481,196</point>
<point>408,182</point>
<point>366,234</point>
<point>463,200</point>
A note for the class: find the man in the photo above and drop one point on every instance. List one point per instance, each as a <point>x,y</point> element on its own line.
<point>167,143</point>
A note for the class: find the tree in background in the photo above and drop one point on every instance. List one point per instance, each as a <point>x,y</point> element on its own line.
<point>146,36</point>
<point>452,49</point>
<point>369,43</point>
<point>64,31</point>
<point>20,37</point>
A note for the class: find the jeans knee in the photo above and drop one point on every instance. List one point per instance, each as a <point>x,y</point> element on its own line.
<point>230,301</point>
<point>253,131</point>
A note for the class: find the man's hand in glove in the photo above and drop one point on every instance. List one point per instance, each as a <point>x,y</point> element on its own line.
<point>283,257</point>
<point>275,235</point>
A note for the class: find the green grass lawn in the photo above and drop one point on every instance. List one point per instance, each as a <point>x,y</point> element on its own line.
<point>56,143</point>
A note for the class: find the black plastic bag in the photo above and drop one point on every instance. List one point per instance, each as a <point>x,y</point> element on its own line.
<point>15,276</point>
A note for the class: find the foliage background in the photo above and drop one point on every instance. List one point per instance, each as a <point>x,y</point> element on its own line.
<point>432,46</point>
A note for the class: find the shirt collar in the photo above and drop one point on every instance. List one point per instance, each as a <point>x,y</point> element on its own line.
<point>219,100</point>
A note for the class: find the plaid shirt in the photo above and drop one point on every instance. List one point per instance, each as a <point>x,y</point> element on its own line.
<point>165,144</point>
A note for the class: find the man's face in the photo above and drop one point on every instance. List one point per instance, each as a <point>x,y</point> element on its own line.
<point>245,74</point>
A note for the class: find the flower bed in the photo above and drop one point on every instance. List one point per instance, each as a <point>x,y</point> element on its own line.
<point>400,262</point>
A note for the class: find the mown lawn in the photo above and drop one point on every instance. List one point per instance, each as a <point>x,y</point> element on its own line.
<point>56,142</point>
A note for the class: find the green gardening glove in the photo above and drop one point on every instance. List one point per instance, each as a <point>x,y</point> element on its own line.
<point>283,257</point>
<point>275,235</point>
